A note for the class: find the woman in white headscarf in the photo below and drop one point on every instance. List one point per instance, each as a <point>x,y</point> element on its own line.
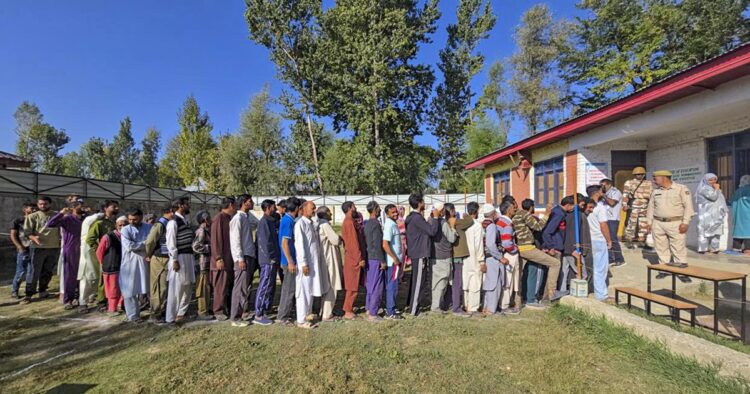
<point>741,215</point>
<point>712,210</point>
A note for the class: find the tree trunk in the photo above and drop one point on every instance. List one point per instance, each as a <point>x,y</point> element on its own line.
<point>314,149</point>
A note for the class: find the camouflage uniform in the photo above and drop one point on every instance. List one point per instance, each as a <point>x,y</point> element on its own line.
<point>637,215</point>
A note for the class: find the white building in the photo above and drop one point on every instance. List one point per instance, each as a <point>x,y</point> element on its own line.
<point>693,122</point>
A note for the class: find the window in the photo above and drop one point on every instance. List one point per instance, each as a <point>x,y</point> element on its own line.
<point>500,186</point>
<point>548,181</point>
<point>729,159</point>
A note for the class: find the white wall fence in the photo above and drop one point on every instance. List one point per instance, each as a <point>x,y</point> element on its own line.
<point>334,202</point>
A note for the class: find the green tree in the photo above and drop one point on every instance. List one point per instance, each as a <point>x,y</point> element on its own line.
<point>624,46</point>
<point>27,115</point>
<point>148,169</point>
<point>123,154</point>
<point>539,94</point>
<point>617,50</point>
<point>343,168</point>
<point>706,29</point>
<point>300,176</point>
<point>73,164</point>
<point>373,86</point>
<point>494,98</point>
<point>251,161</point>
<point>96,158</point>
<point>194,149</point>
<point>459,63</point>
<point>346,171</point>
<point>482,137</point>
<point>168,174</point>
<point>39,141</point>
<point>290,30</point>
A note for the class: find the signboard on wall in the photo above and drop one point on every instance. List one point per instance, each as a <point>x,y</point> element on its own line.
<point>686,175</point>
<point>595,172</point>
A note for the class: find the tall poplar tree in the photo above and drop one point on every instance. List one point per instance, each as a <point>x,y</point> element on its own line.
<point>452,107</point>
<point>123,154</point>
<point>148,169</point>
<point>291,32</point>
<point>191,154</point>
<point>539,95</point>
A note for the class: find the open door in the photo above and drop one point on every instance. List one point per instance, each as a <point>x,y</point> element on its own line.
<point>623,162</point>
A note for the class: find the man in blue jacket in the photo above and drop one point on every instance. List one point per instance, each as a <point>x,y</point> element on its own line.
<point>553,235</point>
<point>268,260</point>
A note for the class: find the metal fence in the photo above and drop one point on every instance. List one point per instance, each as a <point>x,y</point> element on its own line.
<point>34,183</point>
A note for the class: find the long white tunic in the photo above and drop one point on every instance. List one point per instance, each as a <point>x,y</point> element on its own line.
<point>88,267</point>
<point>133,277</point>
<point>472,274</point>
<point>331,254</point>
<point>307,249</point>
<point>186,274</point>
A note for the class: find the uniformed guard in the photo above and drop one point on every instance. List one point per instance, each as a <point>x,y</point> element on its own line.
<point>668,216</point>
<point>636,195</point>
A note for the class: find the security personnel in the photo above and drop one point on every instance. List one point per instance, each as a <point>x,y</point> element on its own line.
<point>669,211</point>
<point>635,197</point>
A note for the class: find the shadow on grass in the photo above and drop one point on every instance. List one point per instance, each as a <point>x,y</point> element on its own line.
<point>70,388</point>
<point>62,346</point>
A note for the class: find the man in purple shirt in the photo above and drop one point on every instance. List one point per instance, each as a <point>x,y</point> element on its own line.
<point>69,219</point>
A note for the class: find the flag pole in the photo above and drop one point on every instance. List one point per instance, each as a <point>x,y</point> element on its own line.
<point>577,229</point>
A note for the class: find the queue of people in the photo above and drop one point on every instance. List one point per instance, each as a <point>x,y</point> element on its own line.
<point>488,261</point>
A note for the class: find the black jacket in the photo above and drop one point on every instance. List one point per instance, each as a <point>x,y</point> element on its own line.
<point>419,235</point>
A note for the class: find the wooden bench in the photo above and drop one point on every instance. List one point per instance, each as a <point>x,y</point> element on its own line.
<point>715,276</point>
<point>675,305</point>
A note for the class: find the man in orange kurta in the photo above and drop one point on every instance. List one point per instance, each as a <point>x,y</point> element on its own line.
<point>354,257</point>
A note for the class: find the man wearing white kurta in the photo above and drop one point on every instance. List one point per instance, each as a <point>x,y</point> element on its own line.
<point>331,254</point>
<point>133,279</point>
<point>473,274</point>
<point>307,249</point>
<point>88,266</point>
<point>181,274</point>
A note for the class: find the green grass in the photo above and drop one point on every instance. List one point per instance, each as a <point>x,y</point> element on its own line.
<point>653,357</point>
<point>560,351</point>
<point>696,331</point>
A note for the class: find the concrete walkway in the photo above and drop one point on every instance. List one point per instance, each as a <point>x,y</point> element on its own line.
<point>634,274</point>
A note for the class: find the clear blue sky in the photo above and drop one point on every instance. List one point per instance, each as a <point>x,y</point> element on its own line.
<point>89,63</point>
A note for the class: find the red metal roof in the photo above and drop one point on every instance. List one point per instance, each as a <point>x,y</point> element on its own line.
<point>731,65</point>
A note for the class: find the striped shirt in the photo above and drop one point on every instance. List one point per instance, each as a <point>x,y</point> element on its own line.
<point>505,228</point>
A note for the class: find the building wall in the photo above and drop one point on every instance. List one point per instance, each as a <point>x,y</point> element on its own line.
<point>571,172</point>
<point>601,154</point>
<point>688,150</point>
<point>489,172</point>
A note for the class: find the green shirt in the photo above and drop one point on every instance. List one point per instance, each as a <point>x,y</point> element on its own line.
<point>152,241</point>
<point>49,237</point>
<point>98,230</point>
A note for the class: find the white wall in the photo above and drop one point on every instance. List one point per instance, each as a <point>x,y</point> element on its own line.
<point>674,135</point>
